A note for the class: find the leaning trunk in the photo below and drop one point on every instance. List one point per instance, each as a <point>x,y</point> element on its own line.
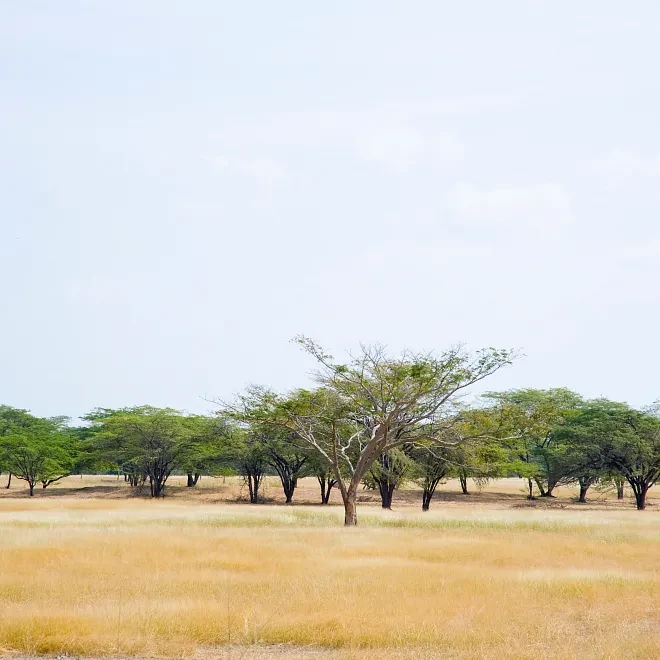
<point>542,490</point>
<point>9,481</point>
<point>430,484</point>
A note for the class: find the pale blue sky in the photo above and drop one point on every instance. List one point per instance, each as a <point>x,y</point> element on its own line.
<point>184,186</point>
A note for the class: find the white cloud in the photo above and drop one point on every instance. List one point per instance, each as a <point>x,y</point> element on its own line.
<point>543,208</point>
<point>623,163</point>
<point>265,170</point>
<point>394,139</point>
<point>400,148</point>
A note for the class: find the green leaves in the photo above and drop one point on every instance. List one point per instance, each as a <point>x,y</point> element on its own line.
<point>35,449</point>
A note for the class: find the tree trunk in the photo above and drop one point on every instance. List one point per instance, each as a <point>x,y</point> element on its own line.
<point>8,481</point>
<point>326,484</point>
<point>157,484</point>
<point>31,490</point>
<point>583,493</point>
<point>386,489</point>
<point>619,488</point>
<point>464,488</point>
<point>289,487</point>
<point>430,484</point>
<point>542,490</point>
<point>350,512</point>
<point>190,483</point>
<point>640,497</point>
<point>253,482</point>
<point>196,478</point>
<point>531,489</point>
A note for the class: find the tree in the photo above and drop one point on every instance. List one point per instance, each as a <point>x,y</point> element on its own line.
<point>431,466</point>
<point>584,437</point>
<point>370,405</point>
<point>286,456</point>
<point>531,417</point>
<point>210,437</point>
<point>249,456</point>
<point>324,474</point>
<point>388,472</point>
<point>327,482</point>
<point>146,441</point>
<point>12,420</point>
<point>634,448</point>
<point>43,451</point>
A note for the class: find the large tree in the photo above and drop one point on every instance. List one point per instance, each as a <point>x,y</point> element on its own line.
<point>43,451</point>
<point>531,417</point>
<point>370,405</point>
<point>12,421</point>
<point>634,448</point>
<point>147,441</point>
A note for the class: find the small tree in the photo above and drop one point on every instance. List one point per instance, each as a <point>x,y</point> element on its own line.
<point>327,482</point>
<point>249,456</point>
<point>286,456</point>
<point>431,466</point>
<point>388,472</point>
<point>211,436</point>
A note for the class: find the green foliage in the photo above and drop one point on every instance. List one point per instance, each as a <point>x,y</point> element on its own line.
<point>148,443</point>
<point>37,450</point>
<point>530,418</point>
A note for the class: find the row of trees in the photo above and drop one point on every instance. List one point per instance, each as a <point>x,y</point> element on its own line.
<point>372,422</point>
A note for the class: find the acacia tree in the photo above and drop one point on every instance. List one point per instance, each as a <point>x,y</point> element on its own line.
<point>43,451</point>
<point>248,455</point>
<point>532,416</point>
<point>287,456</point>
<point>327,482</point>
<point>634,448</point>
<point>370,405</point>
<point>210,437</point>
<point>388,472</point>
<point>12,421</point>
<point>320,469</point>
<point>147,441</point>
<point>431,466</point>
<point>585,437</point>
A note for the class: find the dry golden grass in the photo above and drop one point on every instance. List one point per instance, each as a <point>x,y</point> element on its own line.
<point>133,577</point>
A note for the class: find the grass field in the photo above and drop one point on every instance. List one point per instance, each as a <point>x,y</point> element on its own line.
<point>96,572</point>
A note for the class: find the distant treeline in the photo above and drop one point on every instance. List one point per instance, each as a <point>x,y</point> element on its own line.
<point>374,421</point>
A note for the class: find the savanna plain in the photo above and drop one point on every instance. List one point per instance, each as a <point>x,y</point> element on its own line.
<point>88,569</point>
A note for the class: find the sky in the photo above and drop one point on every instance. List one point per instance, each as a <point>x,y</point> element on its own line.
<point>185,186</point>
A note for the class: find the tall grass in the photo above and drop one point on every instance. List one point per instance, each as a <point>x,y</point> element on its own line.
<point>145,578</point>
